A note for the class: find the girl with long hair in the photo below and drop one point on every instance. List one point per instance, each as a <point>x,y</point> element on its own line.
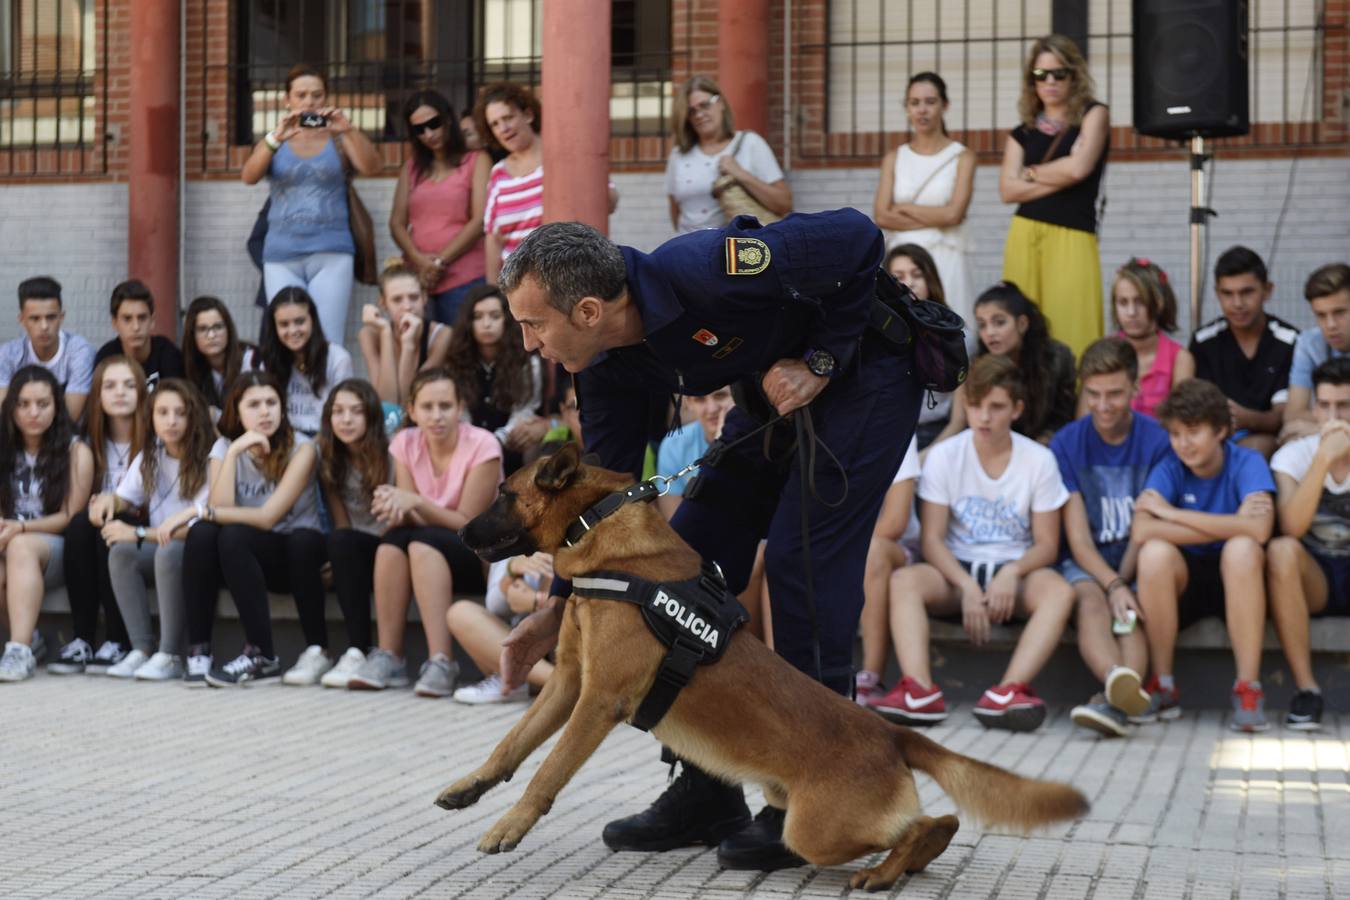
<point>445,472</point>
<point>1144,310</point>
<point>167,482</point>
<point>501,383</point>
<point>397,340</point>
<point>1011,325</point>
<point>437,214</point>
<point>258,531</point>
<point>213,355</point>
<point>914,267</point>
<point>355,462</point>
<point>297,353</point>
<point>114,430</point>
<point>45,476</point>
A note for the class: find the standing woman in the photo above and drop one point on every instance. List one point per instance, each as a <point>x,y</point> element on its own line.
<point>115,428</point>
<point>1052,168</point>
<point>309,241</point>
<point>295,350</point>
<point>213,355</point>
<point>708,146</point>
<point>45,475</point>
<point>437,216</point>
<point>925,190</point>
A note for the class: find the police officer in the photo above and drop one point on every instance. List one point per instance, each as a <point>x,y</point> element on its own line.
<point>781,311</point>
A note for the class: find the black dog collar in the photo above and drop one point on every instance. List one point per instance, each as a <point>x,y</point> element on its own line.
<point>642,492</point>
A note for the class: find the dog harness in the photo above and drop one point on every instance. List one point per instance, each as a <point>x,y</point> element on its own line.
<point>693,618</point>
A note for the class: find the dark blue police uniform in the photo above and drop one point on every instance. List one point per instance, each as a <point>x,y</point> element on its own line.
<point>720,307</point>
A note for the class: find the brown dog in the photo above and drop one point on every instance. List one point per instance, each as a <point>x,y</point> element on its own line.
<point>750,717</point>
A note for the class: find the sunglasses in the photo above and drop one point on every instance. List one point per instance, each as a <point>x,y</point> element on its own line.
<point>1059,74</point>
<point>705,105</point>
<point>430,124</point>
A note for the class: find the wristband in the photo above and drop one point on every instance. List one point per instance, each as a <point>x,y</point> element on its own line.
<point>1115,583</point>
<point>272,143</point>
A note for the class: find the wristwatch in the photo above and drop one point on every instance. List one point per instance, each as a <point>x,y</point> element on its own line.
<point>820,362</point>
<point>140,536</point>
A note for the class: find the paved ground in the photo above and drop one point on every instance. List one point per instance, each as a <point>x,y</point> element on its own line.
<point>139,790</point>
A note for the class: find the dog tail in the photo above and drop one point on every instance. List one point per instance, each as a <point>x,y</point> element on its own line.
<point>993,795</point>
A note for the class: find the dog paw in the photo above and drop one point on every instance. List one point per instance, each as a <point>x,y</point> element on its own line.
<point>463,793</point>
<point>506,835</point>
<point>870,880</point>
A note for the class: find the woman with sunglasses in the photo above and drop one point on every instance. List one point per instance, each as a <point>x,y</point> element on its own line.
<point>437,216</point>
<point>708,146</point>
<point>1052,168</point>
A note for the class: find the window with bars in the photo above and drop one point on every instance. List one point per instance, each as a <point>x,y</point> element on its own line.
<point>49,81</point>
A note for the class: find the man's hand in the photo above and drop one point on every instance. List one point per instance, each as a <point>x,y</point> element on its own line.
<point>529,642</point>
<point>1121,600</point>
<point>1152,502</point>
<point>1295,429</point>
<point>790,385</point>
<point>1242,416</point>
<point>1258,504</point>
<point>1335,442</point>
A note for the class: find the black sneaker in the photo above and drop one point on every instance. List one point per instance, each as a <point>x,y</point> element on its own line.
<point>1305,712</point>
<point>246,668</point>
<point>108,654</point>
<point>72,659</point>
<point>695,809</point>
<point>759,846</point>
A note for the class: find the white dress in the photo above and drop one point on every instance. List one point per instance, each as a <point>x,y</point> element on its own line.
<point>947,246</point>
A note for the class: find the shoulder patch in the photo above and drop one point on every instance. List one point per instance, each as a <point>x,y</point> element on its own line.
<point>746,256</point>
<point>1283,331</point>
<point>1212,330</point>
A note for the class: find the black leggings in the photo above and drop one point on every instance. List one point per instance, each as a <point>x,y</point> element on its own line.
<point>88,584</point>
<point>250,561</point>
<point>466,569</point>
<point>352,553</point>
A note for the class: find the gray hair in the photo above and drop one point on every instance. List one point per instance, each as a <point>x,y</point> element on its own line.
<point>570,261</point>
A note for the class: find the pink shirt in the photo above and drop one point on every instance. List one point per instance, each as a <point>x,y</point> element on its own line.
<point>437,211</point>
<point>515,206</point>
<point>1156,383</point>
<point>475,445</point>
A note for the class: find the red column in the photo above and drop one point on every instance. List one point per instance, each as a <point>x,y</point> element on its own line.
<point>575,97</point>
<point>743,61</point>
<point>152,188</point>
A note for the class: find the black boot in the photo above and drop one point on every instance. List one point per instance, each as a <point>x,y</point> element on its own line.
<point>695,809</point>
<point>759,846</point>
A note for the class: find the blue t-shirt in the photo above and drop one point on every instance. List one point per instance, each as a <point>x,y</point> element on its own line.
<point>678,450</point>
<point>1310,351</point>
<point>1109,476</point>
<point>1244,472</point>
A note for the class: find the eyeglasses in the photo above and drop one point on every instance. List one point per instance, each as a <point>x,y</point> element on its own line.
<point>429,125</point>
<point>705,105</point>
<point>208,330</point>
<point>1059,74</point>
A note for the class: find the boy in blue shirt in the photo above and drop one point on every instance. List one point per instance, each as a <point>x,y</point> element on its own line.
<point>1328,293</point>
<point>1202,523</point>
<point>1105,459</point>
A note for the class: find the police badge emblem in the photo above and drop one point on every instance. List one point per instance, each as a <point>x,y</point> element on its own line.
<point>746,256</point>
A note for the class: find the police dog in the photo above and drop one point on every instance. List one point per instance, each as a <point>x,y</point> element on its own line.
<point>750,717</point>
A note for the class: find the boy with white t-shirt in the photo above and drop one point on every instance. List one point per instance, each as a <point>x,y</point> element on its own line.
<point>990,535</point>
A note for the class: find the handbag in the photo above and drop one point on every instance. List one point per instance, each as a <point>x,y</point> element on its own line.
<point>362,227</point>
<point>735,200</point>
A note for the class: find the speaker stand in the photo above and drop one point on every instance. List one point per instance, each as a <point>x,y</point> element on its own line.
<point>1200,215</point>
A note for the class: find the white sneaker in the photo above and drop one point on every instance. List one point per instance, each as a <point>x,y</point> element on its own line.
<point>197,667</point>
<point>347,666</point>
<point>109,653</point>
<point>161,667</point>
<point>489,690</point>
<point>309,668</point>
<point>128,665</point>
<point>18,663</point>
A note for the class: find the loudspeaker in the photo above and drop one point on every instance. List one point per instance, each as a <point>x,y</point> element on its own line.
<point>1190,68</point>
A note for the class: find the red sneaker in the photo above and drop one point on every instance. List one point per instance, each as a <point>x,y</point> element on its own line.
<point>1012,706</point>
<point>910,703</point>
<point>1163,705</point>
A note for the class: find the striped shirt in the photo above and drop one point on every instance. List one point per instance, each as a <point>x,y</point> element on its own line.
<point>515,206</point>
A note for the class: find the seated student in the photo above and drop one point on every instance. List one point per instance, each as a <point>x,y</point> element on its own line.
<point>991,518</point>
<point>690,441</point>
<point>1012,326</point>
<point>1308,567</point>
<point>213,355</point>
<point>1327,291</point>
<point>178,467</point>
<point>516,587</point>
<point>397,339</point>
<point>1201,525</point>
<point>1247,352</point>
<point>293,348</point>
<point>354,462</point>
<point>259,531</point>
<point>45,476</point>
<point>446,472</point>
<point>502,383</point>
<point>1145,311</point>
<point>895,544</point>
<point>133,318</point>
<point>67,356</point>
<point>1104,459</point>
<point>114,430</point>
<point>913,266</point>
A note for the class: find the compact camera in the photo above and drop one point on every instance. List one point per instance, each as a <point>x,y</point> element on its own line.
<point>313,120</point>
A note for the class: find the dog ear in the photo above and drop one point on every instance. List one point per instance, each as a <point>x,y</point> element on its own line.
<point>559,470</point>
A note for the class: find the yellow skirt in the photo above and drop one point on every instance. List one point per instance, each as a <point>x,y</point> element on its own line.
<point>1060,268</point>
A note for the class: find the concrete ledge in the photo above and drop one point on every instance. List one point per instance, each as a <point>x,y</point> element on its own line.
<point>1328,635</point>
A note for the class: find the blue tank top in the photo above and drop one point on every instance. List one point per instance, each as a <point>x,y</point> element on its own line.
<point>309,205</point>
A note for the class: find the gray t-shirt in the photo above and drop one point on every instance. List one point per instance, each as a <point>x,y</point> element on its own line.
<point>252,488</point>
<point>73,363</point>
<point>357,501</point>
<point>116,461</point>
<point>304,407</point>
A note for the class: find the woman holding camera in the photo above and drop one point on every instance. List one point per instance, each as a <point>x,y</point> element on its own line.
<point>309,242</point>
